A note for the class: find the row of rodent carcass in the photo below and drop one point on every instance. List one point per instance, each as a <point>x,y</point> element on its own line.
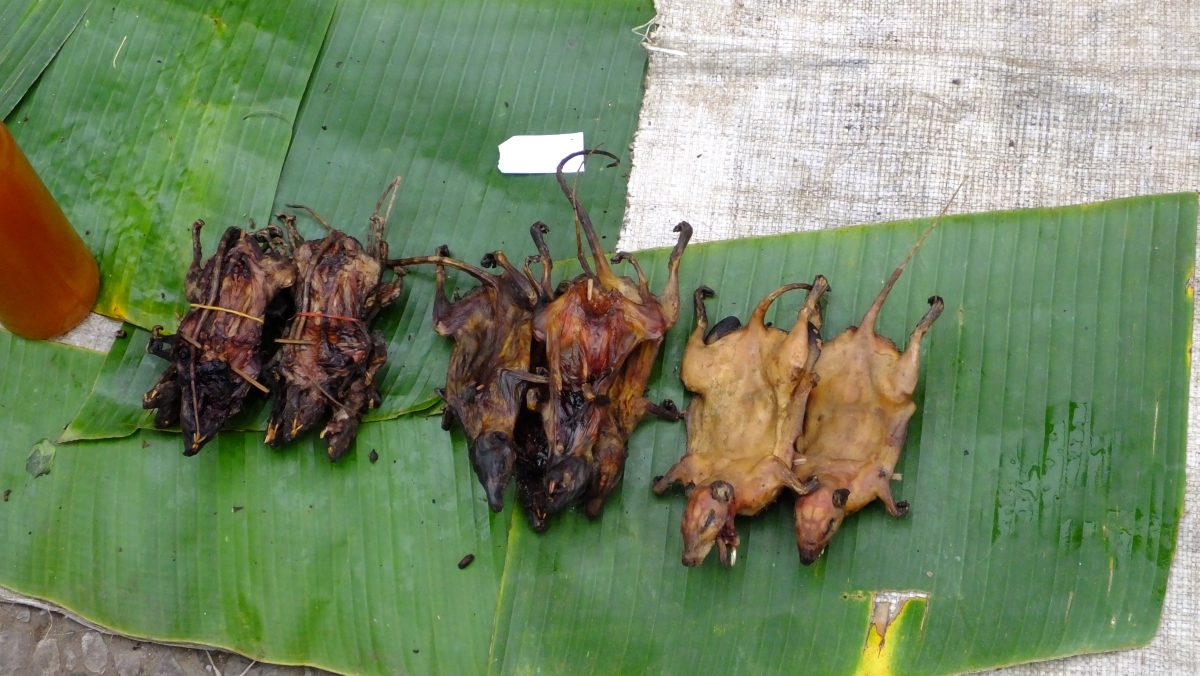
<point>548,380</point>
<point>270,311</point>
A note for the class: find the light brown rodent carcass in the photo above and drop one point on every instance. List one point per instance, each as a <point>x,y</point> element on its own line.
<point>857,422</point>
<point>750,385</point>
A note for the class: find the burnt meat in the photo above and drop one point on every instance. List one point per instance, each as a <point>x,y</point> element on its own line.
<point>329,356</point>
<point>492,331</point>
<point>548,381</point>
<point>217,354</point>
<point>601,333</point>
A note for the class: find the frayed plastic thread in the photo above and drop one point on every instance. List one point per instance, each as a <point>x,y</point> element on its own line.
<point>645,30</point>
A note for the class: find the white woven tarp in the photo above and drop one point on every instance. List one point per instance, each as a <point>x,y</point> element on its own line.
<point>768,116</point>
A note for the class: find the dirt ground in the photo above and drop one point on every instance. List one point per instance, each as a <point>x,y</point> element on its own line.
<point>40,642</point>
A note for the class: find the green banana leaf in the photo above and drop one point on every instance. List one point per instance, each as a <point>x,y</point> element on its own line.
<point>426,90</point>
<point>113,407</point>
<point>1044,466</point>
<point>31,34</point>
<point>283,556</point>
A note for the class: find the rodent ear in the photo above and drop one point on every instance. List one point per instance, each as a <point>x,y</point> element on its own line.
<point>840,496</point>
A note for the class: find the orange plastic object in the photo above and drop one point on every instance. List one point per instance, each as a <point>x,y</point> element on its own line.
<point>48,278</point>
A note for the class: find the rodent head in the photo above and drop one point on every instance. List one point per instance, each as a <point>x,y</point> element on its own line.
<point>818,516</point>
<point>492,456</point>
<point>566,481</point>
<point>708,509</point>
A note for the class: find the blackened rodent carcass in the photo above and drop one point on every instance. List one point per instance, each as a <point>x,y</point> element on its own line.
<point>492,329</point>
<point>329,356</point>
<point>217,354</point>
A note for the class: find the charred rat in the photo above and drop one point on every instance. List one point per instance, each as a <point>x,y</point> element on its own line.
<point>327,362</point>
<point>217,354</point>
<point>548,382</point>
<point>492,327</point>
<point>602,333</point>
<point>750,385</point>
<point>857,422</point>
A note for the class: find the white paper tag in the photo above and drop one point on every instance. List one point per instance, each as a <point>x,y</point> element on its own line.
<point>541,154</point>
